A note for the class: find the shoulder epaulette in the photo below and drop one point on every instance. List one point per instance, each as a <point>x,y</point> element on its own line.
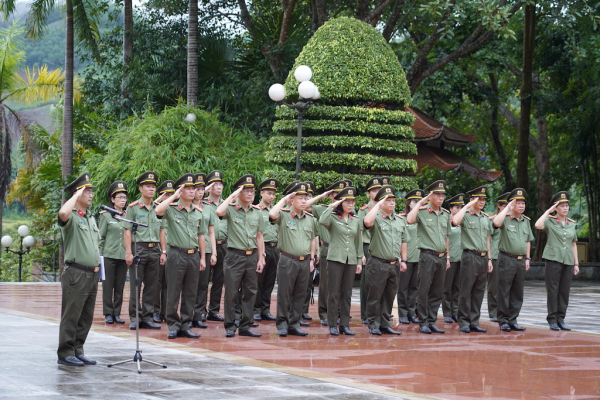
<point>307,213</point>
<point>443,209</point>
<point>198,208</point>
<point>492,216</point>
<point>285,209</point>
<point>400,215</point>
<point>364,207</point>
<point>133,204</point>
<point>423,208</point>
<point>485,214</point>
<point>255,206</point>
<point>174,204</point>
<point>526,217</point>
<point>569,219</point>
<point>103,211</point>
<point>232,204</point>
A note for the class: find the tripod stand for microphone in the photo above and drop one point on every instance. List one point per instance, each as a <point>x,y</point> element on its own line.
<point>136,260</point>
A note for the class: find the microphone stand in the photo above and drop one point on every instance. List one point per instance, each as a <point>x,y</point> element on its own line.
<point>137,358</point>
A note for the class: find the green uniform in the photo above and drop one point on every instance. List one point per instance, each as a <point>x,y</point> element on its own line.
<point>79,282</point>
<point>216,271</point>
<point>408,286</point>
<point>345,253</point>
<point>204,276</point>
<point>514,235</point>
<point>559,266</point>
<point>452,279</point>
<point>183,262</point>
<point>112,247</point>
<point>267,278</point>
<point>160,304</point>
<point>388,232</point>
<point>432,229</point>
<point>362,213</point>
<point>296,233</point>
<point>239,267</point>
<point>317,211</point>
<point>492,278</point>
<point>474,266</point>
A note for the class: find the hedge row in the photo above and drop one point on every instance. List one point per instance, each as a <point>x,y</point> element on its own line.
<point>349,113</point>
<point>355,127</point>
<point>344,142</point>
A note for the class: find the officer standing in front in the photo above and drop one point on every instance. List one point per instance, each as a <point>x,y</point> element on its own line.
<point>160,304</point>
<point>452,279</point>
<point>492,277</point>
<point>79,281</point>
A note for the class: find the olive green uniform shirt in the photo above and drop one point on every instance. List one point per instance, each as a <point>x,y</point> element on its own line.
<point>560,237</point>
<point>362,213</point>
<point>387,235</point>
<point>81,237</point>
<point>413,244</point>
<point>184,226</point>
<point>346,240</point>
<point>455,243</point>
<point>433,228</point>
<point>270,232</point>
<point>475,231</point>
<point>295,232</point>
<point>220,224</point>
<point>514,235</point>
<point>317,211</point>
<point>138,212</point>
<point>209,220</point>
<point>112,244</point>
<point>243,226</point>
<point>495,239</point>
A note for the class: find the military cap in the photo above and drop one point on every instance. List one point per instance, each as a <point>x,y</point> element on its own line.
<point>336,187</point>
<point>147,177</point>
<point>116,187</point>
<point>299,188</point>
<point>348,182</point>
<point>166,187</point>
<point>437,187</point>
<point>502,198</point>
<point>347,193</point>
<point>288,188</point>
<point>457,200</point>
<point>185,180</point>
<point>560,197</point>
<point>214,176</point>
<point>310,187</point>
<point>374,183</point>
<point>414,194</point>
<point>269,184</point>
<point>247,180</point>
<point>385,180</point>
<point>200,179</point>
<point>481,191</point>
<point>385,191</point>
<point>82,181</point>
<point>517,194</point>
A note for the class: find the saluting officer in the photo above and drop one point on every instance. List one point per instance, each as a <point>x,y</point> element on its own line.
<point>160,304</point>
<point>452,279</point>
<point>186,243</point>
<point>561,258</point>
<point>408,285</point>
<point>433,229</point>
<point>476,260</point>
<point>266,279</point>
<point>310,191</point>
<point>388,248</point>
<point>297,229</point>
<point>112,247</point>
<point>79,280</point>
<point>492,277</point>
<point>245,254</point>
<point>513,259</point>
<point>150,241</point>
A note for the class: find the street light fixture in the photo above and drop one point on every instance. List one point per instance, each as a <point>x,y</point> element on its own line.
<point>308,91</point>
<point>26,240</point>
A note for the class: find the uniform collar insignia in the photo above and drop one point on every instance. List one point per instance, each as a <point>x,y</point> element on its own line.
<point>179,207</point>
<point>293,214</point>
<point>340,216</point>
<point>237,206</point>
<point>141,204</point>
<point>429,209</point>
<point>80,213</point>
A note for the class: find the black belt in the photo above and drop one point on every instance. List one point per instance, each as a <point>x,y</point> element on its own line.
<point>242,252</point>
<point>477,253</point>
<point>148,244</point>
<point>83,267</point>
<point>512,255</point>
<point>271,244</point>
<point>301,258</point>
<point>224,241</point>
<point>434,253</point>
<point>187,251</point>
<point>391,262</point>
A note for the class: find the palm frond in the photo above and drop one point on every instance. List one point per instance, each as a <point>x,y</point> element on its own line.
<point>7,8</point>
<point>11,56</point>
<point>40,85</point>
<point>39,11</point>
<point>87,16</point>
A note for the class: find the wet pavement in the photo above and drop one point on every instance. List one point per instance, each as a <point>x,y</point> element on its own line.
<point>536,364</point>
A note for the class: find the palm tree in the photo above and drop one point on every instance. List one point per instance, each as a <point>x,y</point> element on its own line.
<point>192,54</point>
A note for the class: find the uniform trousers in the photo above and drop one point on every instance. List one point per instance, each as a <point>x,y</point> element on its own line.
<point>451,289</point>
<point>240,274</point>
<point>341,280</point>
<point>492,290</point>
<point>112,287</point>
<point>558,285</point>
<point>473,275</point>
<point>266,281</point>
<point>363,284</point>
<point>432,273</point>
<point>382,284</point>
<point>147,274</point>
<point>511,280</point>
<point>160,304</point>
<point>323,282</point>
<point>292,277</point>
<point>408,288</point>
<point>182,274</point>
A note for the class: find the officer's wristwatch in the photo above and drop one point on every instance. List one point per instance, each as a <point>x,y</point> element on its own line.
<point>164,252</point>
<point>403,261</point>
<point>527,258</point>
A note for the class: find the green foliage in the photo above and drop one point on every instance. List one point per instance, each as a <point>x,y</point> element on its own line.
<point>372,128</point>
<point>344,142</point>
<point>350,113</point>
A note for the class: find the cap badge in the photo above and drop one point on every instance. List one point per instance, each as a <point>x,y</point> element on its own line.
<point>519,192</point>
<point>342,185</point>
<point>375,181</point>
<point>151,176</point>
<point>248,179</point>
<point>482,190</point>
<point>418,193</point>
<point>460,197</point>
<point>385,180</point>
<point>388,190</point>
<point>562,196</point>
<point>273,183</point>
<point>217,174</point>
<point>190,178</point>
<point>87,177</point>
<point>302,187</point>
<point>169,184</point>
<point>120,185</point>
<point>441,184</point>
<point>350,191</point>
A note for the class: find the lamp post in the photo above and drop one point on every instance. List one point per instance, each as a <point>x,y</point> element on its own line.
<point>308,92</point>
<point>26,240</point>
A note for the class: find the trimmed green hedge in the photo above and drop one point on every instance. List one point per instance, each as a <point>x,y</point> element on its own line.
<point>349,113</point>
<point>353,127</point>
<point>344,142</point>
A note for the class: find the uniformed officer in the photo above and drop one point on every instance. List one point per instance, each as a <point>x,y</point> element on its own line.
<point>214,188</point>
<point>452,279</point>
<point>372,187</point>
<point>160,304</point>
<point>388,249</point>
<point>266,279</point>
<point>344,258</point>
<point>79,281</point>
<point>408,286</point>
<point>492,277</point>
<point>297,230</point>
<point>476,259</point>
<point>150,241</point>
<point>112,248</point>
<point>433,229</point>
<point>561,258</point>
<point>310,191</point>
<point>513,259</point>
<point>187,242</point>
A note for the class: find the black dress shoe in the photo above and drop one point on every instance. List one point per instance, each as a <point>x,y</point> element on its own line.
<point>333,331</point>
<point>455,318</point>
<point>435,329</point>
<point>554,327</point>
<point>172,334</point>
<point>85,360</point>
<point>324,322</point>
<point>109,319</point>
<point>249,332</point>
<point>71,360</point>
<point>268,317</point>
<point>188,334</point>
<point>389,331</point>
<point>215,317</point>
<point>344,330</point>
<point>255,325</point>
<point>365,321</point>
<point>563,326</point>
<point>478,329</point>
<point>517,328</point>
<point>375,331</point>
<point>149,325</point>
<point>306,317</point>
<point>257,317</point>
<point>199,324</point>
<point>156,318</point>
<point>282,332</point>
<point>448,320</point>
<point>465,329</point>
<point>505,327</point>
<point>413,319</point>
<point>118,319</point>
<point>297,332</point>
<point>404,320</point>
<point>425,329</point>
<point>303,323</point>
<point>230,333</point>
<point>132,326</point>
<point>494,319</point>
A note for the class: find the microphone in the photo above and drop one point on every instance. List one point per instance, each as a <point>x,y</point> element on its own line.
<point>112,211</point>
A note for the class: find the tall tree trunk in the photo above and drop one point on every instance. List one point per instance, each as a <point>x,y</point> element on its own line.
<point>319,10</point>
<point>526,95</point>
<point>192,54</point>
<point>543,182</point>
<point>127,45</point>
<point>5,165</point>
<point>509,182</point>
